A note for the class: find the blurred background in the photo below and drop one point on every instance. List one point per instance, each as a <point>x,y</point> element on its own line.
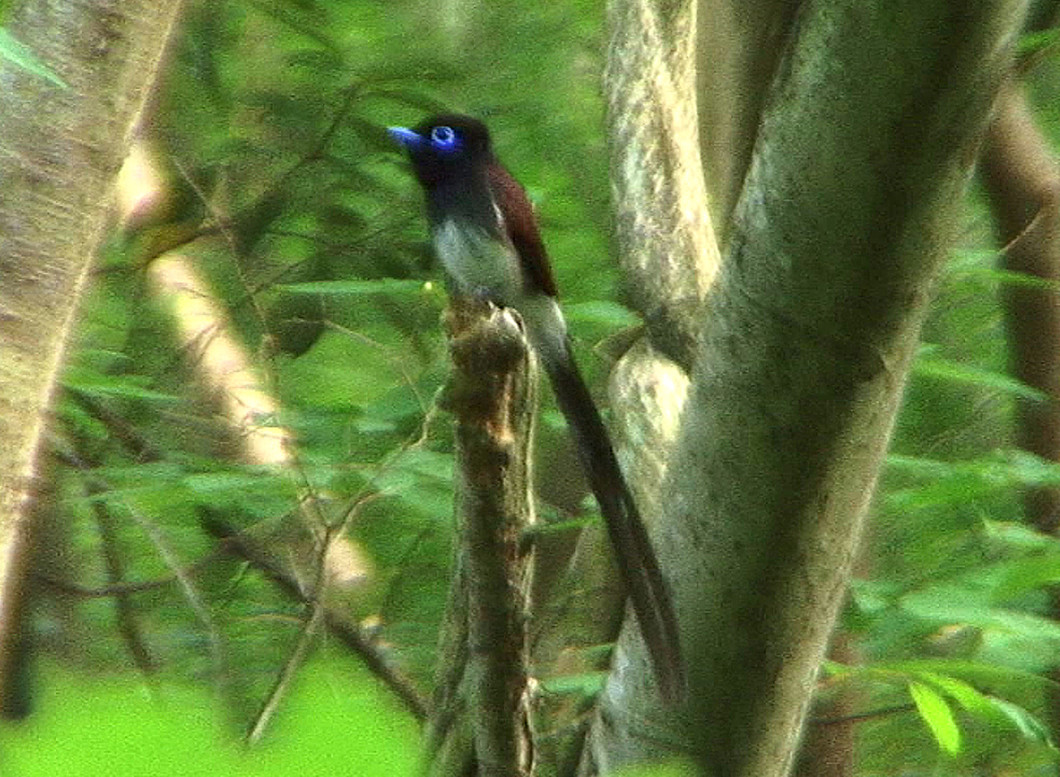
<point>268,279</point>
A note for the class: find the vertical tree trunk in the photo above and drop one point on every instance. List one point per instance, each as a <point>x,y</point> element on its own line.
<point>862,157</point>
<point>60,150</point>
<point>738,47</point>
<point>668,251</point>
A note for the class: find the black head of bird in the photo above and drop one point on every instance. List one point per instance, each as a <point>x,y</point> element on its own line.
<point>445,147</point>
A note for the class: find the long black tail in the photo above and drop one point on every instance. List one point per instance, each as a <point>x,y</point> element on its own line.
<point>636,559</point>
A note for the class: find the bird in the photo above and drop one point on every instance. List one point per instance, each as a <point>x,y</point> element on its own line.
<point>484,232</point>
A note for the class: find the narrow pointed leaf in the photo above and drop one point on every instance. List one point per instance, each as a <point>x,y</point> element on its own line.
<point>937,715</point>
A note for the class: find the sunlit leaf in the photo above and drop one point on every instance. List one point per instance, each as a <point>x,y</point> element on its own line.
<point>963,693</point>
<point>955,372</point>
<point>938,716</point>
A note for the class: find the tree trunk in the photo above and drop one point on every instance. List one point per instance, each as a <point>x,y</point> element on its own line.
<point>668,251</point>
<point>738,46</point>
<point>862,157</point>
<point>60,151</point>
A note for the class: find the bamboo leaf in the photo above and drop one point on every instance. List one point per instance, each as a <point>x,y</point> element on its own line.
<point>1028,725</point>
<point>955,372</point>
<point>937,715</point>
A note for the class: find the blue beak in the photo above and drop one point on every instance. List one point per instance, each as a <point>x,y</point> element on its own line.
<point>406,137</point>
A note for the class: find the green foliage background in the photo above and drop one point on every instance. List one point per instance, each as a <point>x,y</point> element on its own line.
<point>272,112</point>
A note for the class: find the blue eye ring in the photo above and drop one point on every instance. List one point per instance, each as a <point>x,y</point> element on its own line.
<point>444,138</point>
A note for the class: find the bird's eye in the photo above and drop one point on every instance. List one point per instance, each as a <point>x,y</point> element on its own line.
<point>444,138</point>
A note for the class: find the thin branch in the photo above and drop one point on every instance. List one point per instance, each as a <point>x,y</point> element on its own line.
<point>124,609</point>
<point>338,622</point>
<point>121,589</point>
<point>310,628</point>
<point>168,556</point>
<point>286,676</point>
<point>860,716</point>
<point>128,435</point>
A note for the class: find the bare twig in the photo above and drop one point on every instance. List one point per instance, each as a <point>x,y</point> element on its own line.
<point>338,621</point>
<point>860,716</point>
<point>123,606</point>
<point>493,400</point>
<point>286,675</point>
<point>94,481</point>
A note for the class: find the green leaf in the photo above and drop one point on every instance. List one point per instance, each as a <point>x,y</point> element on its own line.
<point>963,482</point>
<point>1014,536</point>
<point>357,287</point>
<point>987,706</point>
<point>936,713</point>
<point>1006,278</point>
<point>600,312</point>
<point>127,386</point>
<point>1025,469</point>
<point>20,55</point>
<point>1026,574</point>
<point>873,596</point>
<point>585,684</point>
<point>1014,681</point>
<point>955,372</point>
<point>954,603</point>
<point>1028,725</point>
<point>1034,42</point>
<point>963,693</point>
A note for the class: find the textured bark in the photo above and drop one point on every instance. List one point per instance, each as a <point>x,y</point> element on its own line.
<point>668,251</point>
<point>60,151</point>
<point>863,154</point>
<point>738,49</point>
<point>827,749</point>
<point>667,247</point>
<point>588,609</point>
<point>481,713</point>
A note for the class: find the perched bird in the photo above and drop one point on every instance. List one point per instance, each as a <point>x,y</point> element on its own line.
<point>485,233</point>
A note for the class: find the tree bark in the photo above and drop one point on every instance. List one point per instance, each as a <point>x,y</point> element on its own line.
<point>738,47</point>
<point>481,714</point>
<point>861,159</point>
<point>60,151</point>
<point>668,251</point>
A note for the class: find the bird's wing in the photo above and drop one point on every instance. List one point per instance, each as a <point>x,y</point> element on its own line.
<point>519,221</point>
